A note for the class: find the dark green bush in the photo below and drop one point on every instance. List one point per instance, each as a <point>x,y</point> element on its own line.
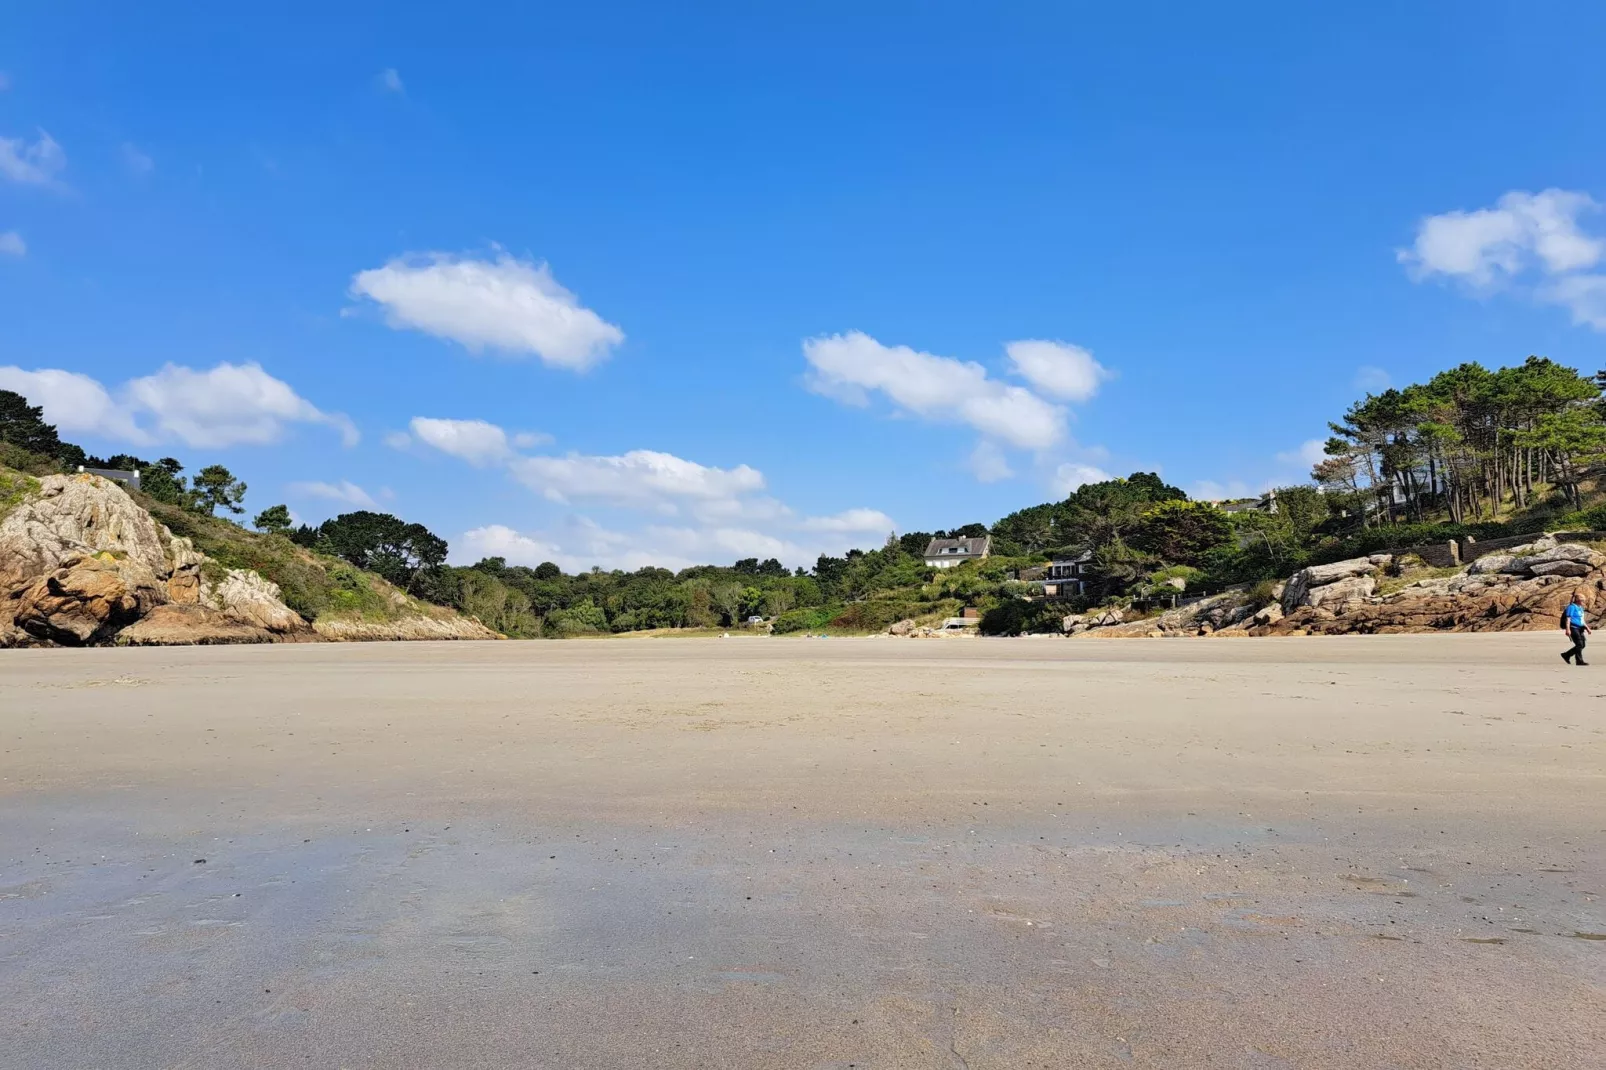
<point>1016,616</point>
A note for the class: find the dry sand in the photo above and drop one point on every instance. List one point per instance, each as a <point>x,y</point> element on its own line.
<point>1367,852</point>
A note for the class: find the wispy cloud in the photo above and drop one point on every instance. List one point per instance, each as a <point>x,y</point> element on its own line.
<point>11,244</point>
<point>390,81</point>
<point>642,479</point>
<point>345,492</point>
<point>988,463</point>
<point>138,162</point>
<point>1371,379</point>
<point>32,164</point>
<point>1069,476</point>
<point>1307,454</point>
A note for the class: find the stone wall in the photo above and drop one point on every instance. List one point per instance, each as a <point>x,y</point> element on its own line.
<point>1438,554</point>
<point>1472,549</point>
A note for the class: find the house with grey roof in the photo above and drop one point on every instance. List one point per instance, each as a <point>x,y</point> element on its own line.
<point>946,553</point>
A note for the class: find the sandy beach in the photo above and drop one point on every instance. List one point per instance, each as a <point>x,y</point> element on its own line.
<point>749,853</point>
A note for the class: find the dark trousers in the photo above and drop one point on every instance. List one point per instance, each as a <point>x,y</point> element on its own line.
<point>1579,638</point>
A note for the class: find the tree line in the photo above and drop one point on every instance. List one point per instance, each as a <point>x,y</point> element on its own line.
<point>1469,441</point>
<point>1469,451</point>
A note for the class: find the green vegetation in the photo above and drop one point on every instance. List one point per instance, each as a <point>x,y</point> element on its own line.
<point>275,520</point>
<point>314,585</point>
<point>14,487</point>
<point>1469,453</point>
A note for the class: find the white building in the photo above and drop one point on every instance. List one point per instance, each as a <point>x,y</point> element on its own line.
<point>946,553</point>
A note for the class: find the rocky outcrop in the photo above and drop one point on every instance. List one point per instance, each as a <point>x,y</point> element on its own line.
<point>407,628</point>
<point>81,563</point>
<point>190,623</point>
<point>1218,613</point>
<point>74,516</point>
<point>253,601</point>
<point>1521,590</point>
<point>1302,587</point>
<point>88,599</point>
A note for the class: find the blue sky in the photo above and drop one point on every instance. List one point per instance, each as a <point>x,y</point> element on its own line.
<point>692,282</point>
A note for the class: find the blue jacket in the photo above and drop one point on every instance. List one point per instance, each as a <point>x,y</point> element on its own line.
<point>1575,615</point>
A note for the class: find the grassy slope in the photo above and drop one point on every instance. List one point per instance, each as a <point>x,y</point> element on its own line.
<point>315,586</point>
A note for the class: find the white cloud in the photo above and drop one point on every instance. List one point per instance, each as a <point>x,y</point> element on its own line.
<point>1522,230</point>
<point>1069,476</point>
<point>988,463</point>
<point>726,514</point>
<point>1372,379</point>
<point>37,164</point>
<point>1525,237</point>
<point>398,440</point>
<point>639,479</point>
<point>860,521</point>
<point>474,441</point>
<point>228,405</point>
<point>1058,369</point>
<point>390,81</point>
<point>1307,454</point>
<point>138,163</point>
<point>345,492</point>
<point>499,540</point>
<point>847,366</point>
<point>507,304</point>
<point>526,439</point>
<point>11,244</point>
<point>75,403</point>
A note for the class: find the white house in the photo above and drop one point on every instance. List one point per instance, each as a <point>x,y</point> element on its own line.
<point>946,553</point>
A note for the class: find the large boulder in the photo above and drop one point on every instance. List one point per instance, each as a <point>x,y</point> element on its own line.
<point>87,600</point>
<point>1268,615</point>
<point>1297,592</point>
<point>246,597</point>
<point>1490,563</point>
<point>187,624</point>
<point>1341,595</point>
<point>184,584</point>
<point>1560,568</point>
<point>1575,552</point>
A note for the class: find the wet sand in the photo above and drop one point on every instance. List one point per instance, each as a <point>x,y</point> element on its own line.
<point>1349,852</point>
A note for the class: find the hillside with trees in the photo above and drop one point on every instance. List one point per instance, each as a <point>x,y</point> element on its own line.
<point>1469,452</point>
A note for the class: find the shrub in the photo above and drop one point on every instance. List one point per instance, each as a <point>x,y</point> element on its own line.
<point>582,619</point>
<point>14,487</point>
<point>34,464</point>
<point>1017,616</point>
<point>873,616</point>
<point>811,619</point>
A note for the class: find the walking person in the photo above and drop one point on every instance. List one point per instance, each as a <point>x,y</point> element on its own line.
<point>1572,622</point>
